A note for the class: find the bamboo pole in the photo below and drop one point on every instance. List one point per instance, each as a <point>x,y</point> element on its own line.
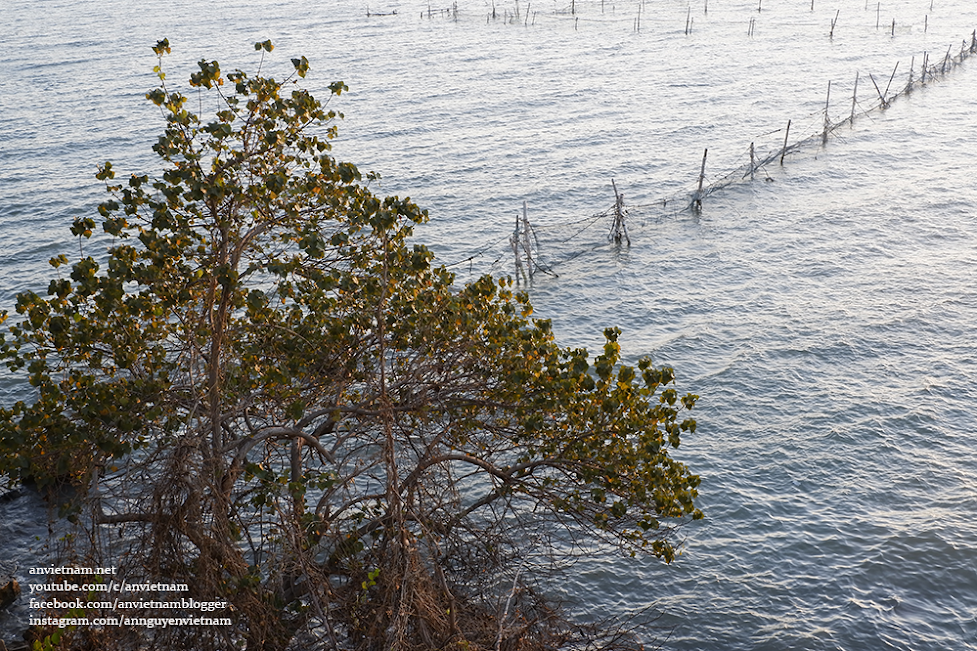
<point>525,239</point>
<point>854,94</point>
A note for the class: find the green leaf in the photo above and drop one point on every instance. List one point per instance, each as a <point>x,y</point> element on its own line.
<point>162,47</point>
<point>82,226</point>
<point>301,66</point>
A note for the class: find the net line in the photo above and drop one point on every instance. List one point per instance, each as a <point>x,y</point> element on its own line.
<point>543,248</point>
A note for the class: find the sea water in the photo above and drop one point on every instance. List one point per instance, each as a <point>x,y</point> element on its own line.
<point>824,311</point>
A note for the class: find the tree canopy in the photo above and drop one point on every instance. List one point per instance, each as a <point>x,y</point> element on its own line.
<point>265,390</point>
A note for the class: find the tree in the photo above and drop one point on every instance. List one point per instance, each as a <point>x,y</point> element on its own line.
<point>266,392</point>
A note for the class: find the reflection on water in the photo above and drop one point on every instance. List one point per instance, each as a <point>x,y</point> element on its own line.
<point>823,312</point>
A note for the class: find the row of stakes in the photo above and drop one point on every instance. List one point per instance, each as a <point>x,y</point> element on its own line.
<point>525,244</point>
<point>516,15</point>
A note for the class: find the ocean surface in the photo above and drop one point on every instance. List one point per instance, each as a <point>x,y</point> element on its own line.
<point>824,310</point>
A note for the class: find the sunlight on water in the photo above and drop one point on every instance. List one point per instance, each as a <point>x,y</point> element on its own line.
<point>823,311</point>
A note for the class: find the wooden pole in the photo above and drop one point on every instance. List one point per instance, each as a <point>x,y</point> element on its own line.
<point>615,230</point>
<point>525,239</point>
<point>702,177</point>
<point>891,77</point>
<point>784,150</point>
<point>884,105</point>
<point>854,94</point>
<point>624,226</point>
<point>514,242</point>
<point>827,120</point>
<point>619,230</point>
<point>752,161</point>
